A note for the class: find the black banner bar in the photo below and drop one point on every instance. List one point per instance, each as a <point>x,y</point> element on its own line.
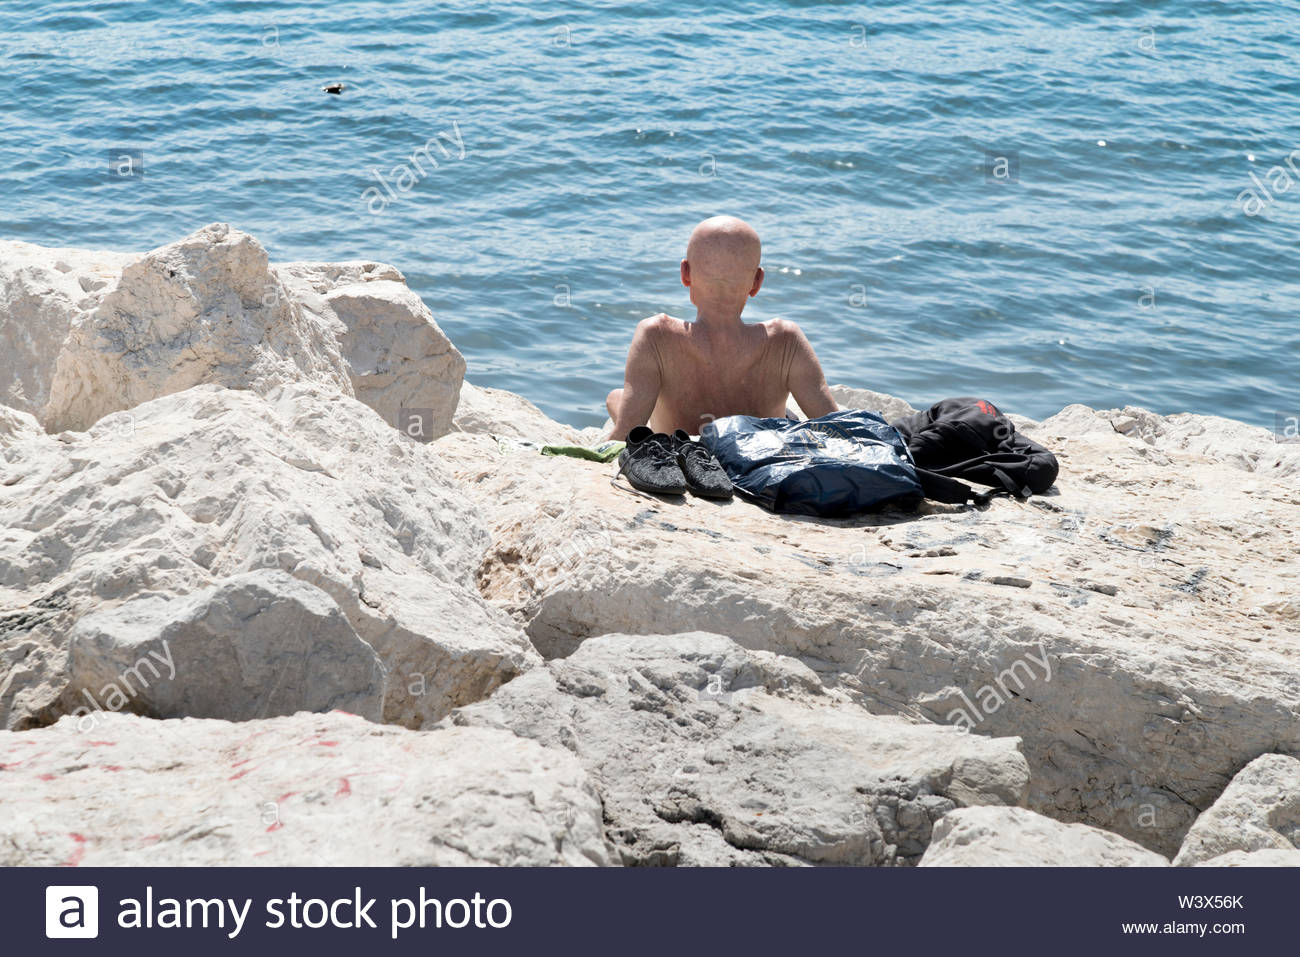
<point>574,911</point>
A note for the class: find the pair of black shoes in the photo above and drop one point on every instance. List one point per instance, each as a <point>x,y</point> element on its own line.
<point>671,465</point>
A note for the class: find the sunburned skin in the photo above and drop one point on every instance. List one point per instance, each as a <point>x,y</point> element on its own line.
<point>682,375</point>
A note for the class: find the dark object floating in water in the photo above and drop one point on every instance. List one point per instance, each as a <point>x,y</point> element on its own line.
<point>335,88</point>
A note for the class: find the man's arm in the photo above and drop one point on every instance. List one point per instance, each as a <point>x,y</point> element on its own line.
<point>641,380</point>
<point>806,381</point>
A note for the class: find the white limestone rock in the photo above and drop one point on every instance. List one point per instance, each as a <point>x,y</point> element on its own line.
<point>1016,837</point>
<point>1156,587</point>
<point>308,790</point>
<point>397,356</point>
<point>42,291</point>
<point>1270,857</point>
<point>320,278</point>
<point>706,753</point>
<point>256,645</point>
<point>1214,438</point>
<point>1258,811</point>
<point>205,309</point>
<point>16,426</point>
<point>502,414</point>
<point>185,494</point>
<point>887,405</point>
<point>398,360</point>
<point>86,333</point>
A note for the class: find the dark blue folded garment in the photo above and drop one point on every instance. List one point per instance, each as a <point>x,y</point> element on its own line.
<point>844,462</point>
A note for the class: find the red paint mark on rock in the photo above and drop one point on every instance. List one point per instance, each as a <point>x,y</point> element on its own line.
<point>151,839</point>
<point>112,767</point>
<point>236,777</point>
<point>103,744</point>
<point>328,744</point>
<point>286,795</point>
<point>345,788</point>
<point>9,765</point>
<point>78,852</point>
<point>274,827</point>
<point>48,777</point>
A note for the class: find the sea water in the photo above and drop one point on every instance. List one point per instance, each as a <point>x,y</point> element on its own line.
<point>1039,203</point>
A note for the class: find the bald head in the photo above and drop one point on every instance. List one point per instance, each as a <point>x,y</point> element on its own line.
<point>722,260</point>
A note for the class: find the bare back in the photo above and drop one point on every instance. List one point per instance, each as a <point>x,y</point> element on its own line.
<point>706,376</point>
<point>683,375</point>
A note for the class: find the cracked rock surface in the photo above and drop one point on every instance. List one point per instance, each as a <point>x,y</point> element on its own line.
<point>1258,812</point>
<point>294,552</point>
<point>310,789</point>
<point>1137,628</point>
<point>1016,837</point>
<point>707,753</point>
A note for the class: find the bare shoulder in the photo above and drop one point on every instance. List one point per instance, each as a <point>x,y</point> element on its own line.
<point>785,330</point>
<point>660,322</point>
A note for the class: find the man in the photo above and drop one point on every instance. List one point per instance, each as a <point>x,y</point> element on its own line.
<point>682,375</point>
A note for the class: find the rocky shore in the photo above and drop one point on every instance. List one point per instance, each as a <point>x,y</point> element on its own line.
<point>277,586</point>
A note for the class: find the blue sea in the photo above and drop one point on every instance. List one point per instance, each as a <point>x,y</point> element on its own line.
<point>1041,203</point>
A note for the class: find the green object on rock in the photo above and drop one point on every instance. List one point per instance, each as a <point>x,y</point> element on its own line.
<point>604,452</point>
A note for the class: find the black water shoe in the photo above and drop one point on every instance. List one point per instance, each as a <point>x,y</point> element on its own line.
<point>650,463</point>
<point>704,475</point>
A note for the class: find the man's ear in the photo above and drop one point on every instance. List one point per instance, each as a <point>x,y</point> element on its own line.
<point>686,272</point>
<point>758,281</point>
